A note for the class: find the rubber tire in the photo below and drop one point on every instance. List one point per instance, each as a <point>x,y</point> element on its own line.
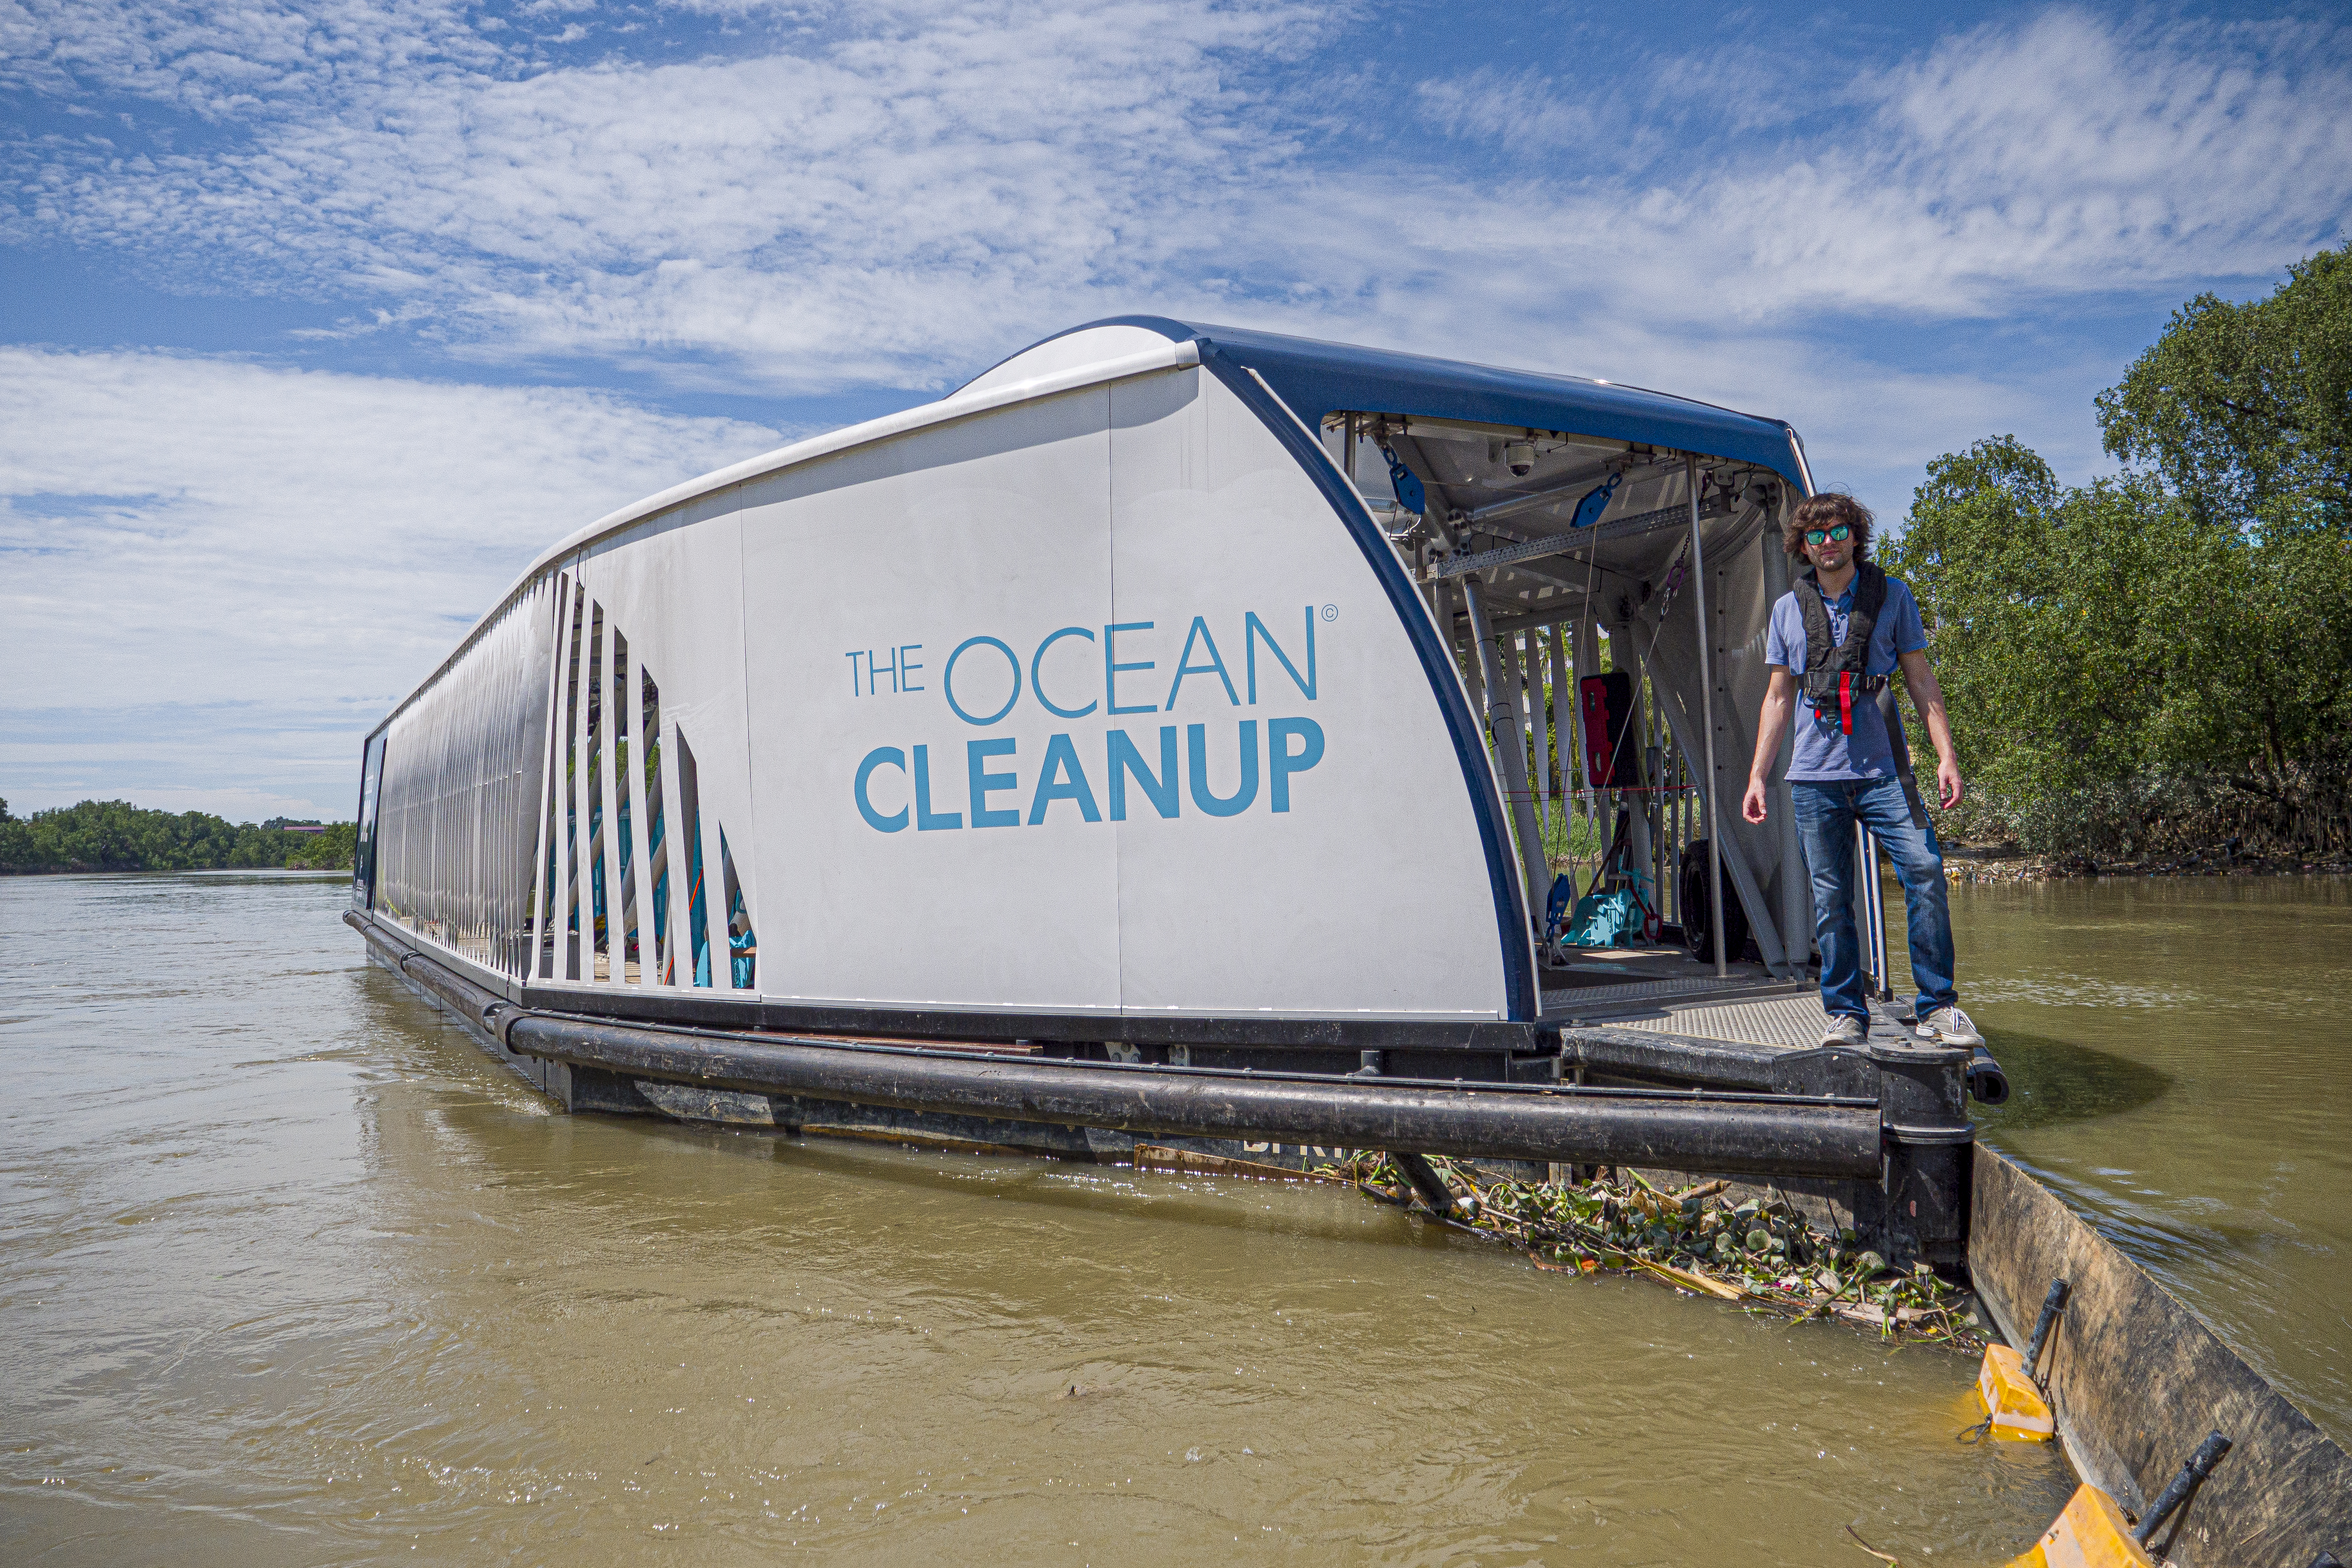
<point>1698,915</point>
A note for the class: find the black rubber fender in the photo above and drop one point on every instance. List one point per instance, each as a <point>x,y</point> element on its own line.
<point>1987,1082</point>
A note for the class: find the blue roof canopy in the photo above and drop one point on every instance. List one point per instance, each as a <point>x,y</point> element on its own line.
<point>1318,378</point>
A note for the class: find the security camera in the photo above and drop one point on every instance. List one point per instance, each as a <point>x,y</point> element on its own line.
<point>1521,457</point>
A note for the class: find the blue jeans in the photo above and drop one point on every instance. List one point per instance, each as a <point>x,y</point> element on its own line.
<point>1826,813</point>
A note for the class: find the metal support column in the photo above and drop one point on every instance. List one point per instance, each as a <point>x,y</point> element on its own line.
<point>1563,738</point>
<point>608,781</point>
<point>1451,594</point>
<point>1706,718</point>
<point>1511,743</point>
<point>632,703</point>
<point>1796,884</point>
<point>1527,655</point>
<point>543,802</point>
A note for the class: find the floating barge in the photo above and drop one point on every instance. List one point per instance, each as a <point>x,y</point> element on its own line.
<point>1168,736</point>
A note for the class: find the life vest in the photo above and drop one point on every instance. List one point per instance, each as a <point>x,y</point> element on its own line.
<point>1608,714</point>
<point>1835,674</point>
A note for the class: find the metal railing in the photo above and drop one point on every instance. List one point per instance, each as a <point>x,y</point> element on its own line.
<point>1870,914</point>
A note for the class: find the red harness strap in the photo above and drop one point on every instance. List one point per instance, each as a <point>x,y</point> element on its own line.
<point>1846,700</point>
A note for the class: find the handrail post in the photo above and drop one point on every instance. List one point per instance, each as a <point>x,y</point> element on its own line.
<point>1872,914</point>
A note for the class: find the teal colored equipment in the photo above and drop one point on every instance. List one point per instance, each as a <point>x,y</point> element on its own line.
<point>1608,920</point>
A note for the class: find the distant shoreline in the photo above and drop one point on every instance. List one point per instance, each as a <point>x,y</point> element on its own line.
<point>159,871</point>
<point>94,836</point>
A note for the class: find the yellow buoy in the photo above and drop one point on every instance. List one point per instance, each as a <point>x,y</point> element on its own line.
<point>2011,1401</point>
<point>2091,1533</point>
<point>2015,1407</point>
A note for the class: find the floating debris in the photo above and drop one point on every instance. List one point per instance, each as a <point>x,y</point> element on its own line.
<point>1874,1551</point>
<point>1192,1163</point>
<point>1762,1253</point>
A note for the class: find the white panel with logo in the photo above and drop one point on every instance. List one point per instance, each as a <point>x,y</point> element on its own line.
<point>1094,703</point>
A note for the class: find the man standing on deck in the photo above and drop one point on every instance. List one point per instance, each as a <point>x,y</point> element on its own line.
<point>1835,638</point>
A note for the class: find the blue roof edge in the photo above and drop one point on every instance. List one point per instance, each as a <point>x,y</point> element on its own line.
<point>1317,378</point>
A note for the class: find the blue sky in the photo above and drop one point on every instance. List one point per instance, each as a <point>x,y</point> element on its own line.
<point>317,323</point>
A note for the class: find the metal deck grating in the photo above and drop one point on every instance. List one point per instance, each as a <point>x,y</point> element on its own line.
<point>1757,1010</point>
<point>1771,1021</point>
<point>1751,1008</point>
<point>1586,1000</point>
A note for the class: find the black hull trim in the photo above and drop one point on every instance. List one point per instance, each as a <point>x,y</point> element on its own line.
<point>1488,1038</point>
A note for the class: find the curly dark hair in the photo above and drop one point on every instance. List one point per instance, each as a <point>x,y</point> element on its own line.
<point>1829,508</point>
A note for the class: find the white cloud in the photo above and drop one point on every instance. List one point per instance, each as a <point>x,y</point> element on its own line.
<point>879,206</point>
<point>221,60</point>
<point>1617,125</point>
<point>279,554</point>
<point>908,194</point>
<point>2071,155</point>
<point>2063,156</point>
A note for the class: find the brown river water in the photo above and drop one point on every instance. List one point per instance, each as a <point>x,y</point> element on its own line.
<point>290,1273</point>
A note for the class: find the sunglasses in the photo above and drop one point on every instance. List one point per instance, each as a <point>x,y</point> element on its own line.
<point>1839,532</point>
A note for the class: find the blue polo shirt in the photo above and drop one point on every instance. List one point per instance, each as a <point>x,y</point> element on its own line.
<point>1824,753</point>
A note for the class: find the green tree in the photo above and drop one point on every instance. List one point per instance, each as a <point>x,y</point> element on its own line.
<point>2245,411</point>
<point>2040,599</point>
<point>2261,697</point>
<point>328,852</point>
<point>2121,671</point>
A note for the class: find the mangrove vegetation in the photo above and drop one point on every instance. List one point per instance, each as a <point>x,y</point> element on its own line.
<point>115,835</point>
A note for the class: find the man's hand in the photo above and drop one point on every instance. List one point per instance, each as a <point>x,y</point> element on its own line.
<point>1771,726</point>
<point>1927,696</point>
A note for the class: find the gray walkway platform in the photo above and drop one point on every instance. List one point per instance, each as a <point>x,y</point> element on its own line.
<point>1663,990</point>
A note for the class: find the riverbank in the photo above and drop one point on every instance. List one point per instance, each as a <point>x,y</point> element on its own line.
<point>1964,864</point>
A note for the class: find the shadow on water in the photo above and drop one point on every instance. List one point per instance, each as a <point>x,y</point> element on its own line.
<point>2053,1082</point>
<point>880,1173</point>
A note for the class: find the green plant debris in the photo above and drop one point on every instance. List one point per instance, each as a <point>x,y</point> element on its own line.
<point>1761,1253</point>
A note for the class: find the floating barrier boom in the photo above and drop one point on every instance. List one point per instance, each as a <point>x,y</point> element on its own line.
<point>1744,1134</point>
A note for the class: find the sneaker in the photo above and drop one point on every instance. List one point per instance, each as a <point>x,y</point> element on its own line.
<point>1845,1029</point>
<point>1948,1027</point>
